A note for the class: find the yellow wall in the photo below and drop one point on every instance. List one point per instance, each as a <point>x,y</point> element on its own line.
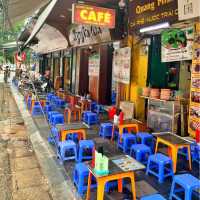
<point>138,76</point>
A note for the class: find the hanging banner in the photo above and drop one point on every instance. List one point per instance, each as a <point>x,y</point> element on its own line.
<point>147,13</point>
<point>177,44</point>
<point>92,15</point>
<point>188,9</point>
<point>80,35</point>
<point>194,109</point>
<point>122,65</point>
<point>94,64</point>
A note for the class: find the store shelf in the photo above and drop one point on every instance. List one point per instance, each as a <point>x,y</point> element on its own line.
<point>156,99</point>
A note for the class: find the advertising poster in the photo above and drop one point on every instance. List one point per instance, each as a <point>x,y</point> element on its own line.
<point>94,64</point>
<point>194,110</point>
<point>122,65</point>
<point>177,44</point>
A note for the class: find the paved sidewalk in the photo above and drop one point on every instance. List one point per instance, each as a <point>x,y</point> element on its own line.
<point>20,173</point>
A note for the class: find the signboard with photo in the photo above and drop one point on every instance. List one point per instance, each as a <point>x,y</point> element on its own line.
<point>188,9</point>
<point>194,114</point>
<point>177,44</point>
<point>122,65</point>
<point>81,35</point>
<point>94,65</point>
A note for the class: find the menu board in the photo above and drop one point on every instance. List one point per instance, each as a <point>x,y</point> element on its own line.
<point>122,65</point>
<point>127,163</point>
<point>194,110</point>
<point>177,44</point>
<point>94,65</point>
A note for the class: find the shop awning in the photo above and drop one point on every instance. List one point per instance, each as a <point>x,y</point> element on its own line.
<point>21,9</point>
<point>10,45</point>
<point>41,20</point>
<point>50,39</point>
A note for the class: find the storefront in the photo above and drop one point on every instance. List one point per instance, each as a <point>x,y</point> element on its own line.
<point>161,68</point>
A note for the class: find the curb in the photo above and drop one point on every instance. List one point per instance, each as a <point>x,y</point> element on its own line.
<point>60,187</point>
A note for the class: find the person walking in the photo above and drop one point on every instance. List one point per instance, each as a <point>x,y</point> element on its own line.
<point>6,74</point>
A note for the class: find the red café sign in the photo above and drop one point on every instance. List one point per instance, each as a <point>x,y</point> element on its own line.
<point>92,15</point>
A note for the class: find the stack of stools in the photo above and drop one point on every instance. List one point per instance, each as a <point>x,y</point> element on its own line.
<point>80,178</point>
<point>66,150</point>
<point>140,152</point>
<point>106,130</point>
<point>37,109</point>
<point>145,138</point>
<point>126,142</point>
<point>47,107</point>
<point>186,183</point>
<point>85,150</point>
<point>59,103</point>
<point>84,115</point>
<point>57,119</point>
<point>54,137</point>
<point>153,197</point>
<point>160,166</point>
<point>91,118</point>
<point>29,102</point>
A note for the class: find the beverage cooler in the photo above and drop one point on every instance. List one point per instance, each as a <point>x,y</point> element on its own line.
<point>163,115</point>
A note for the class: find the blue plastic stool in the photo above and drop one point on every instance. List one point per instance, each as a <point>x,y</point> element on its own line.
<point>66,150</point>
<point>57,119</point>
<point>92,119</point>
<point>85,116</point>
<point>187,182</point>
<point>60,103</point>
<point>127,141</point>
<point>106,130</point>
<point>145,138</point>
<point>37,109</point>
<point>153,197</point>
<point>29,102</point>
<point>50,113</point>
<point>140,152</point>
<point>85,149</point>
<point>47,108</point>
<point>54,136</point>
<point>80,178</point>
<point>160,166</point>
<point>73,136</point>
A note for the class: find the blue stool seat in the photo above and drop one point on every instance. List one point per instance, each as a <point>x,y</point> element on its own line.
<point>106,130</point>
<point>153,197</point>
<point>80,178</point>
<point>37,109</point>
<point>73,136</point>
<point>127,141</point>
<point>145,138</point>
<point>140,152</point>
<point>66,150</point>
<point>187,182</point>
<point>50,113</point>
<point>160,166</point>
<point>57,119</point>
<point>91,119</point>
<point>85,149</point>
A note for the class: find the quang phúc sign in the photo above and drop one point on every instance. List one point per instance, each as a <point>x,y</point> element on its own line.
<point>147,13</point>
<point>92,15</point>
